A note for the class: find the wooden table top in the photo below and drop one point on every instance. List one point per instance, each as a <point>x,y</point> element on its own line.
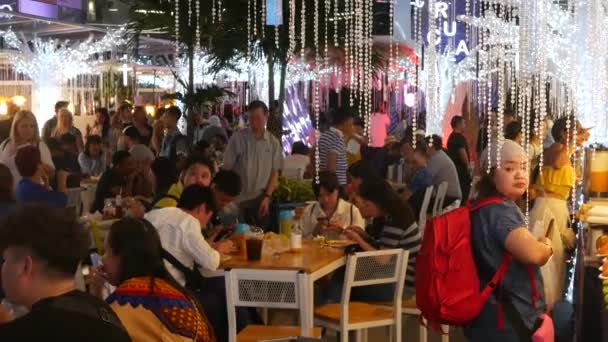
<point>312,258</point>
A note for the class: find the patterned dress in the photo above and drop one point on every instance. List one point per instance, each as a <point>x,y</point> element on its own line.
<point>153,310</point>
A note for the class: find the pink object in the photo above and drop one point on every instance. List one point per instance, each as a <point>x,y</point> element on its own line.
<point>546,331</point>
<point>379,123</point>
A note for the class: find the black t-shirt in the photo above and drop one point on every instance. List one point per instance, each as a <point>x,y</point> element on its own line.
<point>109,179</point>
<point>75,316</point>
<point>455,143</point>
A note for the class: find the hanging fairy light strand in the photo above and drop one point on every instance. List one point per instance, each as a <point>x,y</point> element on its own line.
<point>176,29</point>
<point>198,25</point>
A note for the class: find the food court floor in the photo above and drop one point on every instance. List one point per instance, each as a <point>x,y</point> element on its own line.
<point>410,329</point>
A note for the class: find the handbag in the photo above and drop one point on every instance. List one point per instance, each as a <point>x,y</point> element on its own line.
<point>194,280</point>
<point>546,331</point>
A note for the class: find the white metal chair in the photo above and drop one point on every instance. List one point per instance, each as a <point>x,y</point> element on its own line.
<point>293,174</point>
<point>423,209</point>
<point>364,269</point>
<point>74,199</point>
<point>248,288</point>
<point>442,189</point>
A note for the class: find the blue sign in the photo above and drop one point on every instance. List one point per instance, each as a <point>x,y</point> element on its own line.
<point>274,12</point>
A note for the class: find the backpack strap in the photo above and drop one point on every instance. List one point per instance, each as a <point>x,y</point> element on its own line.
<point>484,202</point>
<point>176,263</point>
<point>5,143</point>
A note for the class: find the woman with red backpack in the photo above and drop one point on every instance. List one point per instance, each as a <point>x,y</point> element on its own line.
<point>514,312</point>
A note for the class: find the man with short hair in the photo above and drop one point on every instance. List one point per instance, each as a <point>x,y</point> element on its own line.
<point>226,186</point>
<point>130,137</point>
<point>442,169</point>
<point>175,144</point>
<point>117,180</point>
<point>196,170</point>
<point>42,248</point>
<point>180,231</point>
<point>33,187</point>
<point>51,124</point>
<point>332,149</point>
<point>458,150</point>
<point>256,156</point>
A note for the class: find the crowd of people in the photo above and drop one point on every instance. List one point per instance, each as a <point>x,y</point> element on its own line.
<point>184,195</point>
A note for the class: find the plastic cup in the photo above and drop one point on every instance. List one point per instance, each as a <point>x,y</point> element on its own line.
<point>254,241</point>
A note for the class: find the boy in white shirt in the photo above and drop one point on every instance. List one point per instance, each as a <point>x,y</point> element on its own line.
<point>180,231</point>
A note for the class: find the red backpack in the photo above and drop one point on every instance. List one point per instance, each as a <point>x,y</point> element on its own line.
<point>447,284</point>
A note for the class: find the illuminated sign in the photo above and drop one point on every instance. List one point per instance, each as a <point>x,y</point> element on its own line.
<point>448,32</point>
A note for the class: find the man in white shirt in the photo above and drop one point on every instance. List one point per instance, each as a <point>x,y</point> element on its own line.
<point>180,231</point>
<point>330,212</point>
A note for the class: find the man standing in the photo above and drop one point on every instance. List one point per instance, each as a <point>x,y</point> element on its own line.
<point>42,248</point>
<point>175,144</point>
<point>256,156</point>
<point>458,150</point>
<point>442,169</point>
<point>332,149</point>
<point>51,124</point>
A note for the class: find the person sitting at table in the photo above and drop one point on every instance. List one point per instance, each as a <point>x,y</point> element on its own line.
<point>92,161</point>
<point>226,187</point>
<point>42,248</point>
<point>117,180</point>
<point>34,185</point>
<point>180,231</point>
<point>358,172</point>
<point>197,170</point>
<point>146,295</point>
<point>393,225</point>
<point>66,159</point>
<point>143,182</point>
<point>329,212</point>
<point>24,132</point>
<point>422,179</point>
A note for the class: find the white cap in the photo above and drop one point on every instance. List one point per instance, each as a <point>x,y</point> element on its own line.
<point>509,151</point>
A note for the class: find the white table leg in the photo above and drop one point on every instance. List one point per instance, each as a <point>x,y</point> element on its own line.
<point>307,305</point>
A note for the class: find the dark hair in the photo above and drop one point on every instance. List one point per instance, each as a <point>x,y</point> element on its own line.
<point>363,169</point>
<point>119,157</point>
<point>137,243</point>
<point>91,140</point>
<point>132,132</point>
<point>486,187</point>
<point>197,159</point>
<point>27,160</point>
<point>359,122</point>
<point>7,184</point>
<point>257,104</point>
<point>67,139</point>
<point>382,194</point>
<point>512,130</point>
<point>61,104</point>
<point>125,106</point>
<point>165,174</point>
<point>422,149</point>
<point>299,147</point>
<point>195,195</point>
<point>173,111</point>
<point>435,141</point>
<point>54,235</point>
<point>328,181</point>
<point>340,115</point>
<point>228,182</point>
<point>200,147</point>
<point>560,126</point>
<point>456,120</point>
<point>106,120</point>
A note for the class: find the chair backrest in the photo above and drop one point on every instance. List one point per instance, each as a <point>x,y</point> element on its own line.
<point>424,208</point>
<point>251,288</point>
<point>385,266</point>
<point>74,199</point>
<point>442,189</point>
<point>293,174</point>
